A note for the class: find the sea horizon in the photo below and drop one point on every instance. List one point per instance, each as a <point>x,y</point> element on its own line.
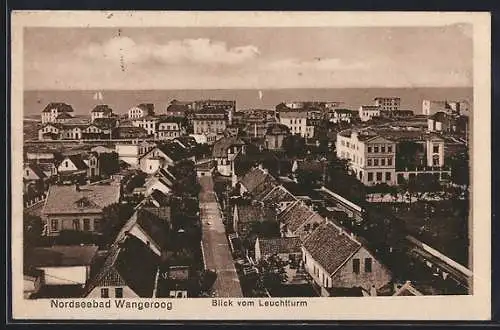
<point>351,97</point>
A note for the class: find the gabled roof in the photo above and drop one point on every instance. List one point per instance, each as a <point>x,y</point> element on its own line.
<point>78,162</point>
<point>131,263</point>
<point>60,106</point>
<point>65,199</point>
<point>61,256</point>
<point>102,108</point>
<point>297,215</point>
<point>255,177</point>
<point>37,170</point>
<point>254,213</point>
<point>174,151</point>
<point>222,145</point>
<point>270,246</point>
<point>160,197</point>
<point>277,195</point>
<point>407,290</point>
<point>330,247</point>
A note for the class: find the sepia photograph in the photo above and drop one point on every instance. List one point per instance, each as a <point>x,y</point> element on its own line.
<point>254,165</point>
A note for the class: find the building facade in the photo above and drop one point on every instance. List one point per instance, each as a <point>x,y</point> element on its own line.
<point>388,103</point>
<point>296,121</point>
<point>367,112</point>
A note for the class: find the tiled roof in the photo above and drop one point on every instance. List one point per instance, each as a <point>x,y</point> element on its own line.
<point>105,123</point>
<point>295,216</point>
<point>177,108</point>
<point>254,213</point>
<point>270,246</point>
<point>255,177</point>
<point>102,108</point>
<point>174,151</point>
<point>60,106</point>
<point>66,199</point>
<point>278,195</point>
<point>61,256</point>
<point>129,263</point>
<point>264,188</point>
<point>330,248</point>
<point>221,146</point>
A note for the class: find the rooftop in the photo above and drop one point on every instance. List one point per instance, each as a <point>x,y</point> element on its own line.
<point>222,145</point>
<point>92,198</point>
<point>60,106</point>
<point>270,246</point>
<point>61,256</point>
<point>330,247</point>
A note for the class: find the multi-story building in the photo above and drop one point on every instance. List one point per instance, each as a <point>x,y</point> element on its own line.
<point>142,110</point>
<point>296,121</point>
<point>367,112</point>
<point>148,122</point>
<point>53,110</point>
<point>211,122</point>
<point>449,107</point>
<point>228,105</point>
<point>388,103</point>
<point>101,111</point>
<point>372,157</point>
<point>77,208</point>
<point>275,135</point>
<point>168,129</point>
<point>340,115</point>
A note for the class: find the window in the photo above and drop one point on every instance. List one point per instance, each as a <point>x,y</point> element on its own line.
<point>389,161</point>
<point>387,176</point>
<point>370,176</point>
<point>375,149</point>
<point>379,176</point>
<point>368,265</point>
<point>86,224</point>
<point>369,149</point>
<point>27,172</point>
<point>119,292</point>
<point>97,224</point>
<point>76,224</point>
<point>375,162</point>
<point>54,225</point>
<point>382,162</point>
<point>382,149</point>
<point>435,149</point>
<point>389,148</point>
<point>435,161</point>
<point>369,162</point>
<point>355,266</point>
<point>104,293</point>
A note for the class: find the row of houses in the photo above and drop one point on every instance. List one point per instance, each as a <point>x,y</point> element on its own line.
<point>132,266</point>
<point>336,261</point>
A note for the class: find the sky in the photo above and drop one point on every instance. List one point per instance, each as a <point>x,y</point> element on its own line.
<point>247,58</point>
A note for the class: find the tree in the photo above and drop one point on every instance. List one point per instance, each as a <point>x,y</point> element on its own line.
<point>114,216</point>
<point>137,180</point>
<point>294,146</point>
<point>272,272</point>
<point>459,164</point>
<point>407,154</point>
<point>32,230</point>
<point>109,163</point>
<point>186,183</point>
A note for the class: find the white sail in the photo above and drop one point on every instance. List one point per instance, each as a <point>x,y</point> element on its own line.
<point>98,96</point>
<point>260,95</point>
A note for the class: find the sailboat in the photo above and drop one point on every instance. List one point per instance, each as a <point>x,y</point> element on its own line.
<point>260,95</point>
<point>98,96</point>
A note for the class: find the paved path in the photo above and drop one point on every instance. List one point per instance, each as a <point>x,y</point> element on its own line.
<point>215,245</point>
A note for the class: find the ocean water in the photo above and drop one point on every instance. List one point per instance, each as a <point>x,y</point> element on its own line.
<point>121,100</point>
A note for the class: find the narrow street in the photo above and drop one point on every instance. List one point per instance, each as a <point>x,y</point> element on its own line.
<point>216,251</point>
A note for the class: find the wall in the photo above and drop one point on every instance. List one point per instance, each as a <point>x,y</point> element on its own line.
<point>320,276</point>
<point>65,222</point>
<point>67,166</point>
<point>127,292</point>
<point>65,275</point>
<point>129,153</point>
<point>379,276</point>
<point>150,166</point>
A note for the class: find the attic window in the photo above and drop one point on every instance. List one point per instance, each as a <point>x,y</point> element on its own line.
<point>83,202</point>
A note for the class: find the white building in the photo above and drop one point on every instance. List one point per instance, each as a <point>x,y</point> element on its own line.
<point>367,112</point>
<point>142,110</point>
<point>372,157</point>
<point>168,130</point>
<point>296,121</point>
<point>101,111</point>
<point>53,110</point>
<point>148,122</point>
